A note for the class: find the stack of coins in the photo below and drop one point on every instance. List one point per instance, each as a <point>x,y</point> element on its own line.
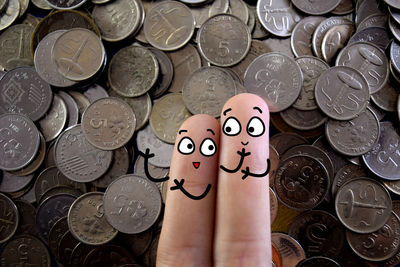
<point>86,85</point>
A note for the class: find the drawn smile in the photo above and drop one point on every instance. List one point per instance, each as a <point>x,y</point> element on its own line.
<point>245,144</point>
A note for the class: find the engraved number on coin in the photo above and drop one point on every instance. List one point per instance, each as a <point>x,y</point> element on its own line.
<point>92,224</point>
<point>271,86</point>
<point>297,186</point>
<point>208,98</point>
<point>284,25</point>
<point>115,123</point>
<point>6,217</point>
<point>384,157</point>
<point>135,208</point>
<point>316,234</point>
<point>386,231</point>
<point>12,148</point>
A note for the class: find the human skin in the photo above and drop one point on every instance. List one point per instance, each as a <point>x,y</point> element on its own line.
<point>230,224</point>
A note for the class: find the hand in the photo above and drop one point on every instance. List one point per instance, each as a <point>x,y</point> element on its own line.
<point>213,217</point>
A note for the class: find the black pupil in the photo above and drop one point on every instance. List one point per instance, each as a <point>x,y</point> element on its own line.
<point>228,129</point>
<point>210,147</point>
<point>189,146</point>
<point>251,129</point>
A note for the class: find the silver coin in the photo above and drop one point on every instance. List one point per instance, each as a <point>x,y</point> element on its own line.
<point>278,17</point>
<point>312,8</point>
<point>10,183</point>
<point>312,68</point>
<point>322,28</point>
<point>336,158</point>
<point>77,159</point>
<point>20,141</point>
<point>395,55</point>
<point>376,35</point>
<point>375,20</point>
<point>132,204</point>
<point>45,66</point>
<point>384,159</point>
<point>346,173</point>
<point>386,98</point>
<point>95,92</point>
<point>224,40</point>
<point>72,109</point>
<point>369,60</point>
<point>275,77</point>
<point>239,9</point>
<point>282,142</point>
<point>65,5</point>
<point>281,45</point>
<point>377,246</point>
<point>342,93</point>
<point>354,137</point>
<point>166,73</point>
<point>207,90</point>
<point>363,205</point>
<point>52,124</point>
<point>162,151</point>
<point>301,39</point>
<point>334,40</point>
<point>365,9</point>
<point>392,186</point>
<point>9,219</point>
<point>289,249</point>
<point>303,119</point>
<point>24,92</point>
<point>344,7</point>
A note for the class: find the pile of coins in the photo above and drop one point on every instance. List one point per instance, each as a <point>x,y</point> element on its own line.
<point>86,85</point>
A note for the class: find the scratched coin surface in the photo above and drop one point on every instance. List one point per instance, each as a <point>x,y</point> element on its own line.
<point>302,34</point>
<point>207,90</point>
<point>9,218</point>
<point>319,233</point>
<point>167,116</point>
<point>275,77</point>
<point>363,205</point>
<point>289,249</point>
<point>379,245</point>
<point>342,93</point>
<point>301,182</point>
<point>132,204</point>
<point>169,25</point>
<point>129,20</point>
<point>87,222</point>
<point>79,160</point>
<point>278,17</point>
<point>53,122</point>
<point>224,40</point>
<point>384,158</point>
<point>354,137</point>
<point>108,123</point>
<point>369,60</point>
<point>24,92</point>
<point>78,53</point>
<point>20,141</point>
<point>14,47</point>
<point>133,71</point>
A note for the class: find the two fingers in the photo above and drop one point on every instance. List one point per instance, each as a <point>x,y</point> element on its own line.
<point>220,221</point>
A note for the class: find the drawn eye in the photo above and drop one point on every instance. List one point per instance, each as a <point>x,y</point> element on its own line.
<point>255,127</point>
<point>186,146</point>
<point>208,147</point>
<point>231,126</point>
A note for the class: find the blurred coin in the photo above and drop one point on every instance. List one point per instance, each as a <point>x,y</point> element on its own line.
<point>384,159</point>
<point>238,8</point>
<point>284,218</point>
<point>206,91</point>
<point>132,204</point>
<point>87,222</point>
<point>30,250</point>
<point>24,92</point>
<point>342,93</point>
<point>318,261</point>
<point>138,243</point>
<point>376,35</point>
<point>290,250</point>
<point>278,17</point>
<point>61,20</point>
<point>379,245</point>
<point>312,68</point>
<point>50,211</point>
<point>81,100</point>
<point>23,7</point>
<point>354,137</point>
<point>284,141</point>
<point>72,109</point>
<point>79,254</point>
<point>224,47</point>
<point>52,124</point>
<point>322,29</point>
<point>29,195</point>
<point>280,45</point>
<point>44,64</point>
<point>14,46</point>
<point>298,189</point>
<point>162,151</point>
<point>42,4</point>
<point>77,159</point>
<point>334,40</point>
<point>374,20</point>
<point>10,14</point>
<point>9,219</point>
<point>303,119</point>
<point>274,159</point>
<point>395,55</point>
<point>59,190</point>
<point>369,60</point>
<point>108,123</point>
<point>3,4</point>
<point>156,172</point>
<point>57,231</point>
<point>367,8</point>
<point>65,246</point>
<point>363,205</point>
<point>108,255</point>
<point>346,173</point>
<point>78,53</point>
<point>21,140</point>
<point>311,8</point>
<point>164,29</point>
<point>140,105</point>
<point>72,4</point>
<point>327,238</point>
<point>344,7</point>
<point>27,214</point>
<point>166,73</point>
<point>185,61</point>
<point>133,71</point>
<point>11,183</point>
<point>130,12</point>
<point>337,159</point>
<point>273,202</point>
<point>301,37</point>
<point>119,166</point>
<point>266,78</point>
